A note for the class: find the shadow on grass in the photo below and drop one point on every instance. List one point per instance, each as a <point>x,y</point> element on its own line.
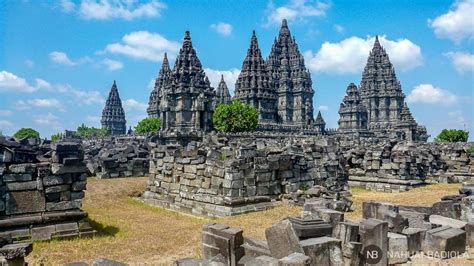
<point>103,230</point>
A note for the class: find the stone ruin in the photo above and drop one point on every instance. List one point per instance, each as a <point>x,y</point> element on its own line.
<point>117,156</point>
<point>41,190</point>
<point>320,236</point>
<point>229,175</point>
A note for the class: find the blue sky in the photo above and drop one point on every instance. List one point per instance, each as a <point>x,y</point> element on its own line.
<point>58,59</point>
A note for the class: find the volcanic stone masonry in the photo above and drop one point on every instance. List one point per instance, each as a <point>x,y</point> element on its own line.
<point>113,116</point>
<point>117,156</point>
<point>319,236</point>
<point>41,190</point>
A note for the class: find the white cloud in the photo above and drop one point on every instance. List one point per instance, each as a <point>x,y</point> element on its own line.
<point>230,76</point>
<point>42,84</point>
<point>457,117</point>
<point>457,24</point>
<point>463,62</point>
<point>295,10</point>
<point>132,104</point>
<point>67,6</point>
<point>338,28</point>
<point>121,9</point>
<point>48,120</point>
<point>5,124</point>
<point>350,55</point>
<point>144,45</point>
<point>40,103</point>
<point>81,97</point>
<point>429,94</point>
<point>11,82</point>
<point>5,112</point>
<point>112,64</point>
<point>63,59</point>
<point>30,63</point>
<point>323,108</point>
<point>222,28</point>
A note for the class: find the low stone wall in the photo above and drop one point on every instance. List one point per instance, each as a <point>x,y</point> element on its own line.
<point>391,166</point>
<point>112,157</point>
<point>225,175</point>
<point>41,191</point>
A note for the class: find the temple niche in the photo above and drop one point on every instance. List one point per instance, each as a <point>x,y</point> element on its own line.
<point>187,100</point>
<point>291,80</point>
<point>380,92</point>
<point>113,116</point>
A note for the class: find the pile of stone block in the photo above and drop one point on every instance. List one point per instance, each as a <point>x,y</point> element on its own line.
<point>224,175</point>
<point>388,234</point>
<point>112,157</point>
<point>41,190</point>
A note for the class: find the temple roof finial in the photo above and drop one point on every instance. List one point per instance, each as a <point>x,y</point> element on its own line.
<point>284,23</point>
<point>187,35</point>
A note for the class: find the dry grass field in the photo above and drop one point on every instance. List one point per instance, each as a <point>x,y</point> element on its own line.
<point>132,232</point>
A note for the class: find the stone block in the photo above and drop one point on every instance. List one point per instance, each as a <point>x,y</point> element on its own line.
<point>54,180</point>
<point>310,226</point>
<point>254,247</point>
<point>385,212</point>
<point>295,259</point>
<point>444,242</point>
<point>219,239</point>
<point>467,209</point>
<point>107,262</point>
<point>346,232</point>
<point>282,239</point>
<point>469,228</point>
<point>374,232</point>
<point>312,204</point>
<point>323,250</point>
<point>22,168</point>
<point>415,238</point>
<point>330,216</point>
<point>79,186</point>
<point>16,253</point>
<point>42,232</point>
<point>20,186</point>
<point>24,202</point>
<point>447,208</point>
<point>351,253</point>
<point>417,219</point>
<point>397,248</point>
<point>262,260</point>
<point>21,177</point>
<point>445,221</point>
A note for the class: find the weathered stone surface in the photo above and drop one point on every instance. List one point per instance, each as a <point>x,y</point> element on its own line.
<point>24,202</point>
<point>469,228</point>
<point>445,221</point>
<point>330,216</point>
<point>16,251</point>
<point>417,219</point>
<point>447,208</point>
<point>254,247</point>
<point>295,259</point>
<point>415,237</point>
<point>262,260</point>
<point>346,232</point>
<point>42,232</point>
<point>444,242</point>
<point>282,239</point>
<point>309,226</point>
<point>219,239</point>
<point>351,253</point>
<point>397,248</point>
<point>374,232</point>
<point>467,209</point>
<point>385,212</point>
<point>323,250</point>
<point>107,262</point>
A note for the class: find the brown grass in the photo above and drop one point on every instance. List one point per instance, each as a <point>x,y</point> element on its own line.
<point>135,233</point>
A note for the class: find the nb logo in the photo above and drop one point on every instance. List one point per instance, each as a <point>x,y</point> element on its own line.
<point>372,254</point>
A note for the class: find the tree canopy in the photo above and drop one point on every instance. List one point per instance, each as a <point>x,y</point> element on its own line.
<point>148,125</point>
<point>89,132</point>
<point>235,117</point>
<point>452,135</point>
<point>26,133</point>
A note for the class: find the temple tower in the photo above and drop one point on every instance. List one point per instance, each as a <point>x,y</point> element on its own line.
<point>253,87</point>
<point>222,93</point>
<point>352,113</point>
<point>188,98</point>
<point>319,123</point>
<point>161,81</point>
<point>291,79</point>
<point>113,116</point>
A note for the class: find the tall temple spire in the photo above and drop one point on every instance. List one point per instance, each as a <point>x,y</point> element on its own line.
<point>187,98</point>
<point>113,116</point>
<point>352,114</point>
<point>161,81</point>
<point>320,123</point>
<point>222,92</point>
<point>291,79</point>
<point>252,86</point>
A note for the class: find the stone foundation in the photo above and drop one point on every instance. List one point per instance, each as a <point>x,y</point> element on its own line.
<point>41,191</point>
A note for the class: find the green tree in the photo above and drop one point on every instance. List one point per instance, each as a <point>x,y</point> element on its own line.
<point>26,133</point>
<point>235,117</point>
<point>148,125</point>
<point>89,132</point>
<point>452,135</point>
<point>56,137</point>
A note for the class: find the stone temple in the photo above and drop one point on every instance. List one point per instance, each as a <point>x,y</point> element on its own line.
<point>281,89</point>
<point>113,116</point>
<point>378,106</point>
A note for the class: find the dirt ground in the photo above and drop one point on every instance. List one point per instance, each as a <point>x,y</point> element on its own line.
<point>135,233</point>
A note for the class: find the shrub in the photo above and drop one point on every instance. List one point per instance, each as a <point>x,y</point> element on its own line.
<point>26,133</point>
<point>89,132</point>
<point>452,135</point>
<point>235,117</point>
<point>56,137</point>
<point>148,125</point>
